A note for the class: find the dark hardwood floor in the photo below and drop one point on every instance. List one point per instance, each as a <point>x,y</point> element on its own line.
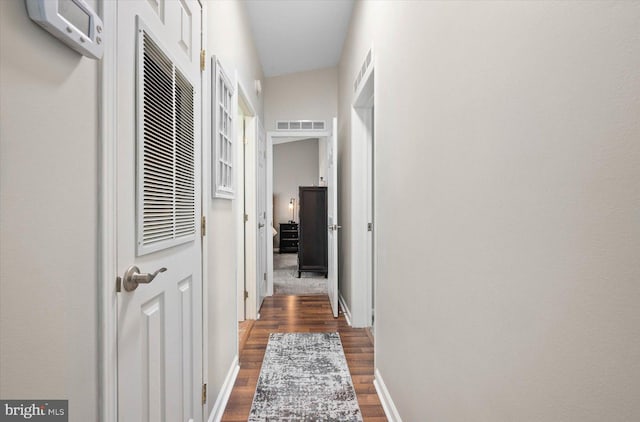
<point>288,314</point>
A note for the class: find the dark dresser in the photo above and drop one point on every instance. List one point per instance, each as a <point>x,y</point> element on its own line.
<point>312,248</point>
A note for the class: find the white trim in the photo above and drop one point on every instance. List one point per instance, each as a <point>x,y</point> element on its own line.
<point>205,180</point>
<point>345,309</point>
<point>247,232</point>
<point>225,392</point>
<point>360,299</point>
<point>363,264</point>
<point>275,137</point>
<point>385,399</point>
<point>107,246</point>
<point>260,183</point>
<point>242,93</point>
<point>269,222</point>
<point>282,136</point>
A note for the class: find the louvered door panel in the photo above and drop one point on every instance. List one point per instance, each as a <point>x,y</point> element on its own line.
<point>185,193</point>
<point>166,184</point>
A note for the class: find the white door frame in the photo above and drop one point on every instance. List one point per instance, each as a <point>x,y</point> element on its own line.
<point>269,196</point>
<point>262,251</point>
<point>107,251</point>
<point>206,168</point>
<point>273,138</point>
<point>363,264</point>
<point>107,211</point>
<point>247,232</point>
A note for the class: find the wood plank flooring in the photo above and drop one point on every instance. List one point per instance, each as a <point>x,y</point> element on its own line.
<point>290,314</point>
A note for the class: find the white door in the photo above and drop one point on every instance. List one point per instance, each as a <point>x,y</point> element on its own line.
<point>261,185</point>
<point>332,193</point>
<point>159,204</point>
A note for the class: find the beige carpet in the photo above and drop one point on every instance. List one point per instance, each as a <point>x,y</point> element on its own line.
<point>286,281</point>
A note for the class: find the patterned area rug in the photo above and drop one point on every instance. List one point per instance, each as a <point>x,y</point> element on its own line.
<point>286,281</point>
<point>305,377</point>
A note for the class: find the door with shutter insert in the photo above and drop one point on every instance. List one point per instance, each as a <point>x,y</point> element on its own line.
<point>332,216</point>
<point>261,211</point>
<point>159,197</point>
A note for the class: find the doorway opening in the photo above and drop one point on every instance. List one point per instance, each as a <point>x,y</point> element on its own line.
<point>297,162</point>
<point>286,209</point>
<point>245,137</point>
<point>363,141</point>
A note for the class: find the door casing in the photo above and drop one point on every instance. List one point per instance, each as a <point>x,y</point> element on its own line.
<point>107,221</point>
<point>364,263</point>
<point>275,137</point>
<point>247,233</point>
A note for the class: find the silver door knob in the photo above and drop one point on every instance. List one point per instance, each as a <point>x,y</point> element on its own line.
<point>132,277</point>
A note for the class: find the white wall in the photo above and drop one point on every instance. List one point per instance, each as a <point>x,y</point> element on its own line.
<point>301,96</point>
<point>295,164</point>
<point>229,38</point>
<point>48,217</point>
<point>509,133</point>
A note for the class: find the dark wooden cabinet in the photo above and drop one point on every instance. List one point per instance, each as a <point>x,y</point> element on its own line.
<point>288,237</point>
<point>312,246</point>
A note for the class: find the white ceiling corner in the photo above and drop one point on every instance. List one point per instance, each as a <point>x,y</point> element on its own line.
<point>298,35</point>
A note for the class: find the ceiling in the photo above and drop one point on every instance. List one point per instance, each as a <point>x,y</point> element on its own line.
<point>298,35</point>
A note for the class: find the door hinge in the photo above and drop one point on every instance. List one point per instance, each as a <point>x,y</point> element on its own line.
<point>246,295</point>
<point>369,227</point>
<point>202,60</point>
<point>203,226</point>
<point>118,284</point>
<point>264,276</point>
<point>246,218</point>
<point>204,393</point>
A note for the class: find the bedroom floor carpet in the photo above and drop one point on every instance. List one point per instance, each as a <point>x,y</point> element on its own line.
<point>286,281</point>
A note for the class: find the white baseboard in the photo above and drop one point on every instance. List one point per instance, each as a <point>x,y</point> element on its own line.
<point>223,397</point>
<point>385,398</point>
<point>345,309</point>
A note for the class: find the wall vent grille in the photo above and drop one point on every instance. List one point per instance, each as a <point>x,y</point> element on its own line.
<point>300,125</point>
<point>363,70</point>
<point>166,150</point>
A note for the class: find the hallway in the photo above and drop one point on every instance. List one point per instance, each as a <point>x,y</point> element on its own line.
<point>282,314</point>
<point>486,159</point>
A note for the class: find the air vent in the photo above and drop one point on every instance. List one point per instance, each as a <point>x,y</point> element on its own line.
<point>300,125</point>
<point>363,70</point>
<point>166,155</point>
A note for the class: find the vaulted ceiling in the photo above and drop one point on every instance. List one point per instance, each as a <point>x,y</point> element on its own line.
<point>298,35</point>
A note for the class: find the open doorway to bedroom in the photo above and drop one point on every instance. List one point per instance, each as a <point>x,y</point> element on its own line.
<point>296,162</point>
